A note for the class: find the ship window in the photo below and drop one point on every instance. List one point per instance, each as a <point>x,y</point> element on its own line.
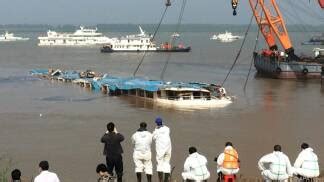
<point>132,92</point>
<point>141,93</point>
<point>141,41</point>
<point>196,95</point>
<point>149,94</point>
<point>206,95</point>
<point>159,93</point>
<point>185,95</point>
<point>146,41</point>
<point>171,95</point>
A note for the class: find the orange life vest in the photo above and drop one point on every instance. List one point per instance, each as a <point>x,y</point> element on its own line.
<point>230,159</point>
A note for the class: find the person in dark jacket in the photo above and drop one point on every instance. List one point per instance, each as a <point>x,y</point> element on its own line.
<point>113,150</point>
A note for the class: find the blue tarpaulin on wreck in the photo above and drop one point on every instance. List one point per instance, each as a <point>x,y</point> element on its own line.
<point>115,83</point>
<point>39,72</point>
<point>71,75</point>
<point>120,83</point>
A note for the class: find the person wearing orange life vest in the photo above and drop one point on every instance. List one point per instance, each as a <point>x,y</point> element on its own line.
<point>228,161</point>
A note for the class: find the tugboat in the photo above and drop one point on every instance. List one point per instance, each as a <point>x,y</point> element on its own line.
<point>279,64</point>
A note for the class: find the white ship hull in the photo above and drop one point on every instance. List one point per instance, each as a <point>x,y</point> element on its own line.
<point>9,37</point>
<point>82,37</point>
<point>195,104</point>
<point>131,43</point>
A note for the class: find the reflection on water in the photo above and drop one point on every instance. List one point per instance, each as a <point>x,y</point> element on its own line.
<point>69,99</point>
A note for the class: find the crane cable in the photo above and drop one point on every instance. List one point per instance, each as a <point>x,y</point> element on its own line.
<point>184,2</point>
<point>155,32</point>
<point>240,50</point>
<point>253,57</point>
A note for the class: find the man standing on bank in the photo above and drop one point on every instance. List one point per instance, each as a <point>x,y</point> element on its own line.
<point>113,150</point>
<point>142,140</point>
<point>161,135</point>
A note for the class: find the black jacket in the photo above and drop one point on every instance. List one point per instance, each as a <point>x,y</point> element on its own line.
<point>112,143</point>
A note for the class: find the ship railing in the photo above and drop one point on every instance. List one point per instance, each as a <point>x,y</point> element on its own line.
<point>186,98</point>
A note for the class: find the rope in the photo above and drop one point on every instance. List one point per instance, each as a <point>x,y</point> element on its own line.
<point>253,57</point>
<point>184,2</point>
<point>155,32</point>
<point>240,50</point>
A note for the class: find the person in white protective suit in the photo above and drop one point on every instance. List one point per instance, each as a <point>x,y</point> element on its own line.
<point>161,136</point>
<point>306,164</point>
<point>142,140</point>
<point>279,166</point>
<point>195,167</point>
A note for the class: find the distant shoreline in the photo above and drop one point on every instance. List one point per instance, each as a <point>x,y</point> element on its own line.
<point>150,27</point>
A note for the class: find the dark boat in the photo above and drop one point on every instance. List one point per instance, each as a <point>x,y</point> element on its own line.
<point>108,49</point>
<point>174,49</point>
<point>315,40</point>
<point>279,66</point>
<point>272,62</point>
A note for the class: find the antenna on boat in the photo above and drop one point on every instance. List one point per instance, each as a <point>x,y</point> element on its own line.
<point>141,30</point>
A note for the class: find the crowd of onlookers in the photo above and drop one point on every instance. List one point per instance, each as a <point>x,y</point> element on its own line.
<point>274,166</point>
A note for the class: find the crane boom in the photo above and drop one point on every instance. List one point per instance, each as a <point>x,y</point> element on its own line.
<point>271,24</point>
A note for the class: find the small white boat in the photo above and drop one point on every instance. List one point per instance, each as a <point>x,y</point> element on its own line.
<point>226,37</point>
<point>9,37</point>
<point>175,35</point>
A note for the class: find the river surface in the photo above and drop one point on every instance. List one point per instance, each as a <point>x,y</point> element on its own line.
<point>63,123</point>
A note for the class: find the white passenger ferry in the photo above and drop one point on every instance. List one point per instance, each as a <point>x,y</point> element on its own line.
<point>9,37</point>
<point>131,43</point>
<point>81,37</point>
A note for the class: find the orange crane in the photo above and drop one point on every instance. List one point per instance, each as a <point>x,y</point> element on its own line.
<point>271,61</point>
<point>271,23</point>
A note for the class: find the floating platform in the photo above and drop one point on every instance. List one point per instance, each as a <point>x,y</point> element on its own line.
<point>277,66</point>
<point>170,94</point>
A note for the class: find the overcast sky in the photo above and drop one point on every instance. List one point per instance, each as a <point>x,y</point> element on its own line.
<point>91,12</point>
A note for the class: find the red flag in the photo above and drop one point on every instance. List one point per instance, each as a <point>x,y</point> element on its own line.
<point>321,3</point>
